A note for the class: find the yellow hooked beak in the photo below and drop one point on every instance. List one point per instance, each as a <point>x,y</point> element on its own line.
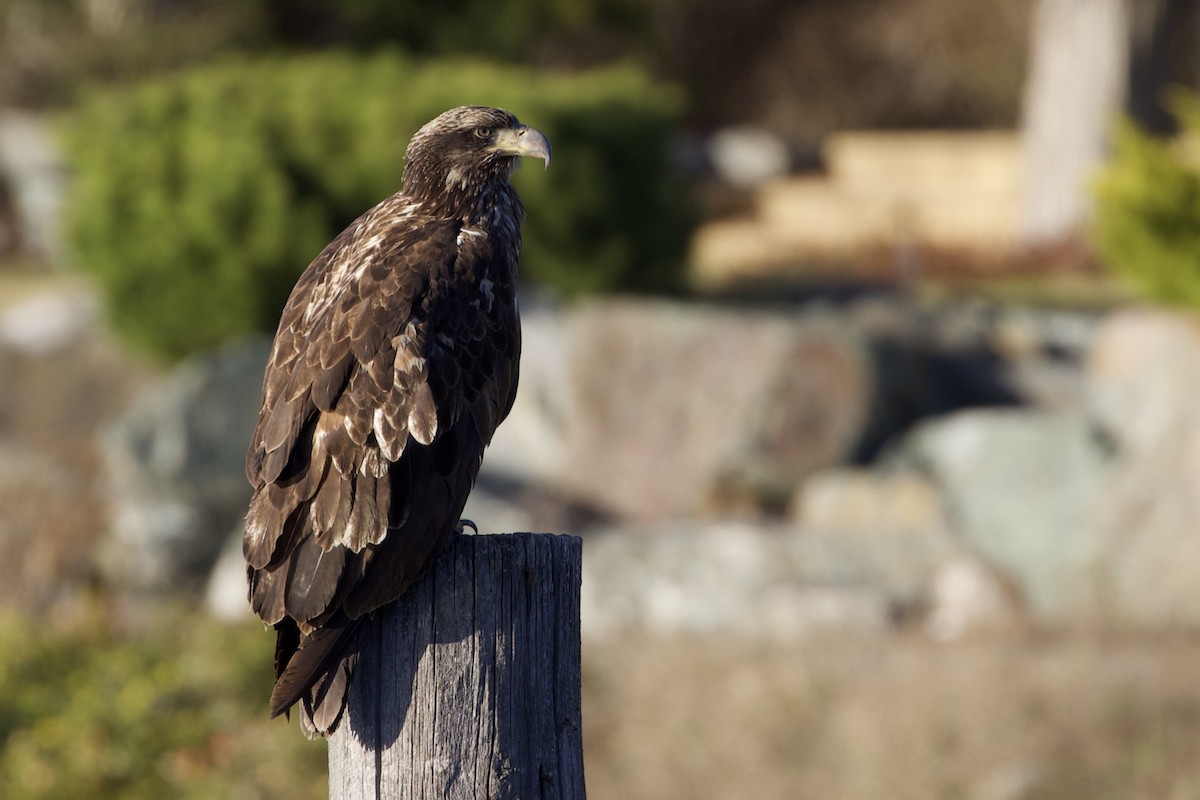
<point>522,141</point>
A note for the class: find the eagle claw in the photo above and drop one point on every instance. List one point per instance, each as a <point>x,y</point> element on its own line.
<point>463,524</point>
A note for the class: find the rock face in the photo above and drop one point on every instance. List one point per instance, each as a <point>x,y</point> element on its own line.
<point>1144,381</point>
<point>680,411</point>
<point>728,577</point>
<point>1043,353</point>
<point>650,426</point>
<point>1020,487</point>
<point>175,463</point>
<point>753,579</point>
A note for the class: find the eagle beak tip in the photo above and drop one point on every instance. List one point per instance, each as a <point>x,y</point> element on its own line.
<point>525,141</point>
<point>539,147</point>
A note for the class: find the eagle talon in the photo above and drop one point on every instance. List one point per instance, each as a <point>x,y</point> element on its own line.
<point>463,524</point>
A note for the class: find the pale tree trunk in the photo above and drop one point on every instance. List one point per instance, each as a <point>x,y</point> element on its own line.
<point>1079,66</point>
<point>1089,61</point>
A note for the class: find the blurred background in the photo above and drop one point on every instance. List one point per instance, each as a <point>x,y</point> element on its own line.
<point>861,344</point>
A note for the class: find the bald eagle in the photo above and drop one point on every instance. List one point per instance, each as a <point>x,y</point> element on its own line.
<point>394,362</point>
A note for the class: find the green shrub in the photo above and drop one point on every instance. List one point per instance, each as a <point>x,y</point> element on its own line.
<point>179,711</point>
<point>200,197</point>
<point>1147,225</point>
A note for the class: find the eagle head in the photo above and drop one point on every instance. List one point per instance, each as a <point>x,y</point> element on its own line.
<point>464,150</point>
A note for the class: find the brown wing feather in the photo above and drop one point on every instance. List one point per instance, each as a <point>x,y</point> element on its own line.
<point>325,410</point>
<point>395,360</point>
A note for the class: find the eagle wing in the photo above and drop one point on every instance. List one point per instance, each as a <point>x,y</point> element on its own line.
<point>395,360</point>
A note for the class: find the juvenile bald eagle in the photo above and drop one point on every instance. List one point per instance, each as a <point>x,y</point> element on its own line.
<point>395,360</point>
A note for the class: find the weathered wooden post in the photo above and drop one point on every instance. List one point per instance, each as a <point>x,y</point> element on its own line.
<point>469,685</point>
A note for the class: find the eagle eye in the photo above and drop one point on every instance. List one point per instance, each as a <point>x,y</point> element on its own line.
<point>483,133</point>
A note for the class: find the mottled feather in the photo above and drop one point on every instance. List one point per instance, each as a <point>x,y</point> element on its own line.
<point>394,361</point>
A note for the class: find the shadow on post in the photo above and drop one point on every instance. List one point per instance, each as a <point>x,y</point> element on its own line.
<point>469,685</point>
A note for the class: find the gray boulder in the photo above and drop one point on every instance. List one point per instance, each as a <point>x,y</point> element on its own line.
<point>1019,487</point>
<point>727,577</point>
<point>764,581</point>
<point>653,410</point>
<point>1144,380</point>
<point>1043,352</point>
<point>887,528</point>
<point>174,461</point>
<point>686,410</point>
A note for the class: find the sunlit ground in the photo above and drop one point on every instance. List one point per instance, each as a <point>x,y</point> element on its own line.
<point>894,716</point>
<point>178,709</point>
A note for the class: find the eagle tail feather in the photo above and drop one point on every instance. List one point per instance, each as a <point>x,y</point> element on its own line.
<point>316,673</point>
<point>323,706</point>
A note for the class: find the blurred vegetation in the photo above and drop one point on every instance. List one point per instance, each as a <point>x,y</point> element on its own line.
<point>178,710</point>
<point>199,197</point>
<point>576,33</point>
<point>204,190</point>
<point>803,67</point>
<point>51,49</point>
<point>1147,226</point>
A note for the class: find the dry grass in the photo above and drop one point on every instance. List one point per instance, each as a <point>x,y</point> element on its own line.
<point>893,717</point>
